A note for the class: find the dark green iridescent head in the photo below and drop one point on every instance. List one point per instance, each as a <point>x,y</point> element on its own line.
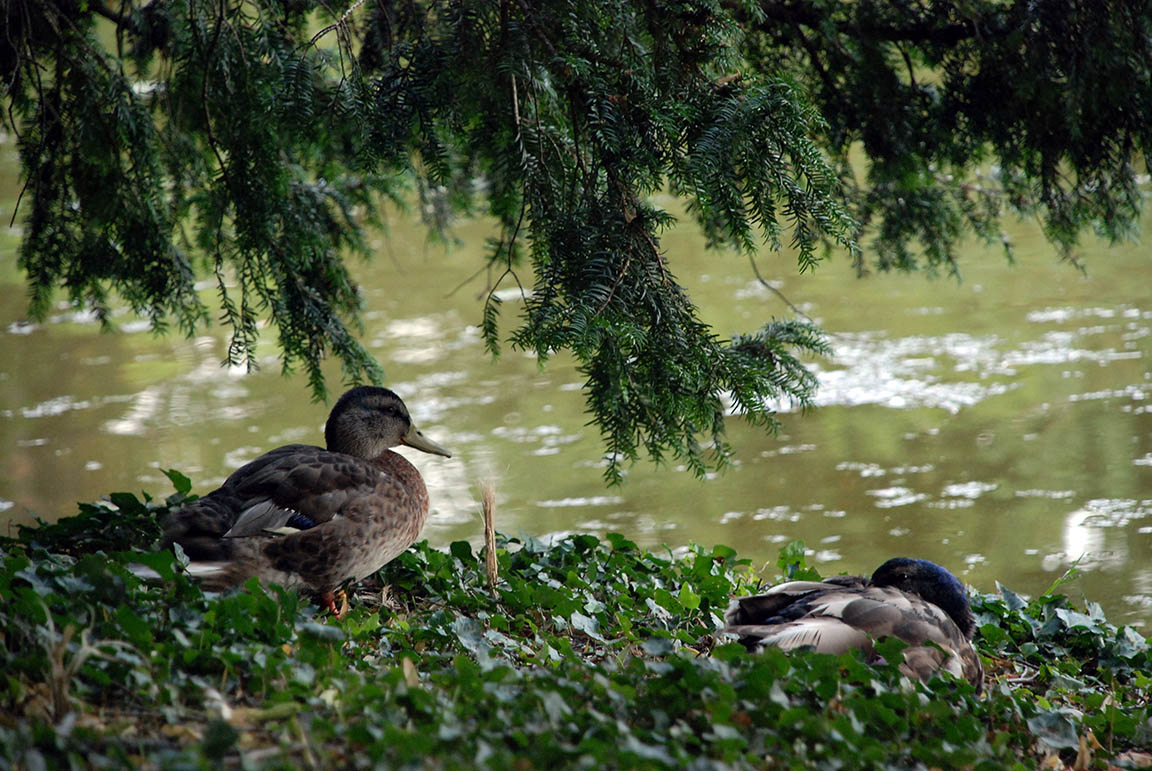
<point>931,583</point>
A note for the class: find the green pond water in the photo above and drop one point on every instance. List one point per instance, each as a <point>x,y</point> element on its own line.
<point>1000,426</point>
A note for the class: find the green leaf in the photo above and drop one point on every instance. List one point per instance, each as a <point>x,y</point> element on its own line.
<point>791,556</point>
<point>1056,727</point>
<point>1072,619</point>
<point>324,632</point>
<point>658,646</point>
<point>135,627</point>
<point>587,625</point>
<point>688,598</point>
<point>461,550</point>
<point>620,543</point>
<point>182,483</point>
<point>219,738</point>
<point>1011,599</point>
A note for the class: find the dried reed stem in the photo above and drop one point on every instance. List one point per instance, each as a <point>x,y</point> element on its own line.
<point>488,509</point>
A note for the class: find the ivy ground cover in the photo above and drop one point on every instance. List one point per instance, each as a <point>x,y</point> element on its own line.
<point>586,652</point>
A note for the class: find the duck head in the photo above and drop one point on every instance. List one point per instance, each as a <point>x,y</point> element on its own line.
<point>367,420</point>
<point>931,583</point>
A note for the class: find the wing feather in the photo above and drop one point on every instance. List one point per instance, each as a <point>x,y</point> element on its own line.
<point>834,617</point>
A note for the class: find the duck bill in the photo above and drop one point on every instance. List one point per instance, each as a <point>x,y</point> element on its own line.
<point>417,440</point>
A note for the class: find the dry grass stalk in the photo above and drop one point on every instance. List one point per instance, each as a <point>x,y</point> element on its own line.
<point>488,509</point>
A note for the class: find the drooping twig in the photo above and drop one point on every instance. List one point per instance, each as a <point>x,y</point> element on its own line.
<point>337,25</point>
<point>777,292</point>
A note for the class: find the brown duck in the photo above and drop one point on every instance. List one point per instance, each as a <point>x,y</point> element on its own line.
<point>310,517</point>
<point>914,600</point>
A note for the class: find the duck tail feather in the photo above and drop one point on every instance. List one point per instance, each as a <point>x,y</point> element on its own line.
<point>197,570</point>
<point>206,569</point>
<point>207,548</point>
<point>144,572</point>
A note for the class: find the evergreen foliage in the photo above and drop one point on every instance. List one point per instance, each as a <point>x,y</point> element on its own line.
<point>253,143</point>
<point>969,110</point>
<point>588,653</point>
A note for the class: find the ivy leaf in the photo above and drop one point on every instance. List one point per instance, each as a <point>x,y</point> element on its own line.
<point>1011,599</point>
<point>134,626</point>
<point>588,626</point>
<point>688,598</point>
<point>1056,728</point>
<point>219,738</point>
<point>1072,619</point>
<point>182,483</point>
<point>461,550</point>
<point>658,646</point>
<point>324,632</point>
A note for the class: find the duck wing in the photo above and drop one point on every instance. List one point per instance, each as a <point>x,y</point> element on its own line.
<point>301,490</point>
<point>789,601</point>
<point>834,618</point>
<point>800,614</point>
<point>295,487</point>
<point>824,635</point>
<point>373,525</point>
<point>268,517</point>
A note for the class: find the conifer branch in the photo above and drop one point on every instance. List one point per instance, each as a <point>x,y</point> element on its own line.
<point>807,14</point>
<point>214,137</point>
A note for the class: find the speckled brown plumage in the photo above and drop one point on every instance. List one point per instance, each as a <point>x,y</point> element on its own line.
<point>309,517</point>
<point>914,600</point>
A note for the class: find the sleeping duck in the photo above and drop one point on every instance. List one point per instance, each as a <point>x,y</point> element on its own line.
<point>310,517</point>
<point>912,599</point>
